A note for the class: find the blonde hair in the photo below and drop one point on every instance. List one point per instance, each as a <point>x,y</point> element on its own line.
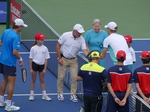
<point>95,21</point>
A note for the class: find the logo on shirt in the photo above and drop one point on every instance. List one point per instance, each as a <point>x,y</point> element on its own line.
<point>91,65</point>
<point>90,73</point>
<point>120,68</point>
<point>147,68</point>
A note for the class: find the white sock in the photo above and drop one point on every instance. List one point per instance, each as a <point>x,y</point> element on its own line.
<point>44,92</point>
<point>32,92</point>
<point>1,98</point>
<point>8,103</point>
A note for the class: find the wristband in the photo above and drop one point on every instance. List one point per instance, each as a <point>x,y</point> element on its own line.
<point>58,58</point>
<point>20,59</point>
<point>115,97</point>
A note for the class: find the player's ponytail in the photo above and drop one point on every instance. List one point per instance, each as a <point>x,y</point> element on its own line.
<point>34,43</point>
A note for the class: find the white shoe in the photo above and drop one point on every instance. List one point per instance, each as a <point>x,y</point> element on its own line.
<point>60,97</point>
<point>45,97</point>
<point>74,98</point>
<point>2,104</point>
<point>31,98</point>
<point>12,108</point>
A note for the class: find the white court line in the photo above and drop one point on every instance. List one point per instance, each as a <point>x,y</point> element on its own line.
<point>79,52</point>
<point>52,94</point>
<point>41,94</point>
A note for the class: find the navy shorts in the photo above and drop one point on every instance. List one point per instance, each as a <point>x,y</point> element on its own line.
<point>1,68</point>
<point>37,67</point>
<point>7,70</point>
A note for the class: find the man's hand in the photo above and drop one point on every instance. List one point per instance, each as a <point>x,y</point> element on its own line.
<point>60,61</point>
<point>21,63</point>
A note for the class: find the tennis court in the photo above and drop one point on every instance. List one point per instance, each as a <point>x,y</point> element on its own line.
<point>21,93</point>
<point>62,15</point>
<point>22,90</point>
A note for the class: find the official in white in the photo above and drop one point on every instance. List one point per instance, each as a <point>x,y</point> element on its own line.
<point>67,48</point>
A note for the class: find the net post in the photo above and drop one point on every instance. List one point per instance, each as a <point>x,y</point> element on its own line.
<point>8,14</point>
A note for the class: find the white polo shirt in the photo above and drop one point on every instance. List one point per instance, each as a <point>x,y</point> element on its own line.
<point>38,54</point>
<point>115,42</point>
<point>70,46</point>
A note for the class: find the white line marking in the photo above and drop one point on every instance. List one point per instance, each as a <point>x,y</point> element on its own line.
<point>40,94</point>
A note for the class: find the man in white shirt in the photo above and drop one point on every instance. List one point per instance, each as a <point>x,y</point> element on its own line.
<point>67,48</point>
<point>115,42</point>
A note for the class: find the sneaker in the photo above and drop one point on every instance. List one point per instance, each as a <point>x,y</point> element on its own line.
<point>60,97</point>
<point>31,98</point>
<point>12,108</point>
<point>74,98</point>
<point>45,97</point>
<point>2,104</point>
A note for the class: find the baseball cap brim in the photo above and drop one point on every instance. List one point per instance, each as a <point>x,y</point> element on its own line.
<point>106,26</point>
<point>81,31</point>
<point>42,38</point>
<point>25,25</point>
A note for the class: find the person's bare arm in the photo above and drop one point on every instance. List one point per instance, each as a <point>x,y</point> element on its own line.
<point>103,54</point>
<point>45,66</point>
<point>78,78</point>
<point>31,71</point>
<point>123,101</point>
<point>117,100</point>
<point>140,92</point>
<point>85,51</point>
<point>0,42</point>
<point>58,45</point>
<point>17,55</point>
<point>129,86</point>
<point>87,47</point>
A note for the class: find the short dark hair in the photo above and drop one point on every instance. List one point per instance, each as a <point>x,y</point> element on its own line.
<point>116,28</point>
<point>94,58</point>
<point>15,26</point>
<point>120,60</point>
<point>145,61</point>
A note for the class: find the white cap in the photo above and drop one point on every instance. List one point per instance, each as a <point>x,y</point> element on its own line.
<point>79,28</point>
<point>20,22</point>
<point>111,25</point>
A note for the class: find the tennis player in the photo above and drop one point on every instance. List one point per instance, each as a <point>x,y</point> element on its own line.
<point>141,78</point>
<point>39,56</point>
<point>119,83</point>
<point>10,42</point>
<point>67,48</point>
<point>115,42</point>
<point>92,75</point>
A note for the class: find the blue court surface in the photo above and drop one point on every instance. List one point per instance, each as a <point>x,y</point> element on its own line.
<point>22,90</point>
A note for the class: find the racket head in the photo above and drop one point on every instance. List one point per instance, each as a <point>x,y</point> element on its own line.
<point>24,74</point>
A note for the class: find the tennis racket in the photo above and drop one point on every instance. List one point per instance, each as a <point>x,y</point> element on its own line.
<point>24,74</point>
